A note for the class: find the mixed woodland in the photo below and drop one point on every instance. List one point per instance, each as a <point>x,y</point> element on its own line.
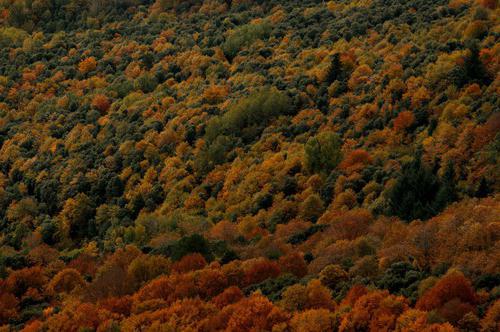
<point>246,165</point>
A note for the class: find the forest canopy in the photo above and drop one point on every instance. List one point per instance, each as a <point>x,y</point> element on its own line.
<point>247,165</point>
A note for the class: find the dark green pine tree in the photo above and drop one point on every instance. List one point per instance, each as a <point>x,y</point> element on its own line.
<point>335,70</point>
<point>195,243</point>
<point>474,68</point>
<point>483,188</point>
<point>447,192</point>
<point>337,73</point>
<point>414,194</point>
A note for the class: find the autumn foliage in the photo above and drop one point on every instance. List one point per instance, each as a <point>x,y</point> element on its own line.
<point>217,165</point>
<point>87,65</point>
<point>452,296</point>
<point>101,103</point>
<point>403,121</point>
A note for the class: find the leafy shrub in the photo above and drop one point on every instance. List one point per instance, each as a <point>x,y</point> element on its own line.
<point>248,117</point>
<point>10,36</point>
<point>323,152</point>
<point>245,36</point>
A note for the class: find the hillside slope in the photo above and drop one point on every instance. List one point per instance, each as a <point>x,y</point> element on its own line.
<point>249,165</point>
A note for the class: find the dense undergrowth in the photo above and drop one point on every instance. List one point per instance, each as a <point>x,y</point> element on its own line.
<point>249,165</point>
